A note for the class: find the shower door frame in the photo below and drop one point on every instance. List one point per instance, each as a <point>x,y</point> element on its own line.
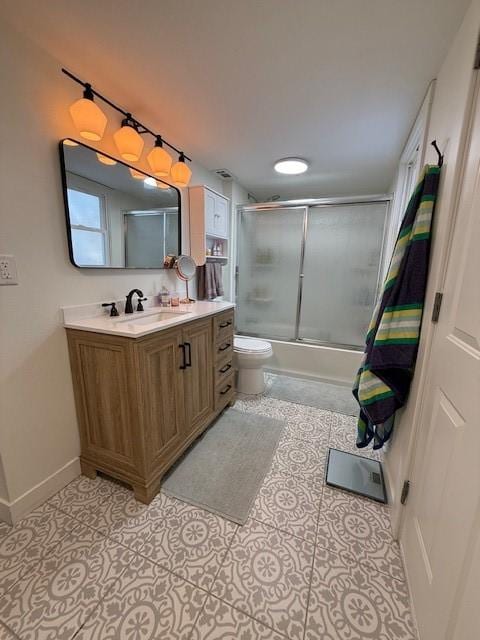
<point>304,205</point>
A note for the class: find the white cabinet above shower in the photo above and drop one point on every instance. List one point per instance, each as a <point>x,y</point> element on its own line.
<point>209,223</point>
<point>216,214</point>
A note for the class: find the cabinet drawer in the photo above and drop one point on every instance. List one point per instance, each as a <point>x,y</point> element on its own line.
<point>224,349</point>
<point>225,391</point>
<point>223,369</point>
<point>223,325</point>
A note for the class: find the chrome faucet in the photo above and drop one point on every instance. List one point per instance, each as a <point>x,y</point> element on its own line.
<point>128,303</point>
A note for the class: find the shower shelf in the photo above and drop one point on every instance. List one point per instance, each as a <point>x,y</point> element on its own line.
<point>219,259</point>
<point>260,300</point>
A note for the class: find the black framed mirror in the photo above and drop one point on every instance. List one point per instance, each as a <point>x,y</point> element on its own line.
<point>118,217</point>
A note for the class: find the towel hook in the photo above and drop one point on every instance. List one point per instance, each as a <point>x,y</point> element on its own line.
<point>440,155</point>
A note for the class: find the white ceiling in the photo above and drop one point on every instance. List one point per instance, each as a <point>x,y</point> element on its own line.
<point>242,83</point>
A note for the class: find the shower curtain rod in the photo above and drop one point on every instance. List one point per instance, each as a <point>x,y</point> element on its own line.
<point>313,202</point>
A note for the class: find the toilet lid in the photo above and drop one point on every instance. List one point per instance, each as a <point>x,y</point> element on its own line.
<point>252,345</point>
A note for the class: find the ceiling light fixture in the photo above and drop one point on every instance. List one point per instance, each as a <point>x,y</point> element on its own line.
<point>291,166</point>
<point>88,117</point>
<point>150,182</point>
<point>91,122</point>
<point>138,175</point>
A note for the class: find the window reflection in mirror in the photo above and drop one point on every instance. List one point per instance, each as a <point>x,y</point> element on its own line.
<point>117,217</point>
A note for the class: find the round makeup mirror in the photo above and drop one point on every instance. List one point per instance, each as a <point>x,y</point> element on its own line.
<point>185,267</point>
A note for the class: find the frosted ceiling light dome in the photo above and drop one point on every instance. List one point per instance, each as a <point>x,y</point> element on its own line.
<point>150,182</point>
<point>291,166</point>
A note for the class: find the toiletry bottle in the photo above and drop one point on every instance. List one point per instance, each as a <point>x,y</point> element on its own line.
<point>165,297</point>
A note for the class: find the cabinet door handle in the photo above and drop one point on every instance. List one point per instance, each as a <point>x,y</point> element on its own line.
<point>222,325</point>
<point>225,368</point>
<point>227,388</point>
<point>225,346</point>
<point>189,347</point>
<point>183,365</point>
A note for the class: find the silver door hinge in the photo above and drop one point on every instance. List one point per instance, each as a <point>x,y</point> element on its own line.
<point>437,305</point>
<point>405,490</point>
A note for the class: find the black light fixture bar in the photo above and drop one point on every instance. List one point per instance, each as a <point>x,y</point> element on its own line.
<point>139,126</point>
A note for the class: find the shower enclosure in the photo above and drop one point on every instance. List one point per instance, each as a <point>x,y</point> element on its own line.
<point>308,271</point>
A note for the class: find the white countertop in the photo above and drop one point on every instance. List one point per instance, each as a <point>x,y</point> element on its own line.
<point>137,324</point>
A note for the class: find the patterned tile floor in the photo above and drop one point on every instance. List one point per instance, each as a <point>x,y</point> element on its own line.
<point>311,563</point>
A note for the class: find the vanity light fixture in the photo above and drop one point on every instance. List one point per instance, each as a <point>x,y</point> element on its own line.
<point>91,122</point>
<point>181,173</point>
<point>160,161</point>
<point>136,174</point>
<point>129,142</point>
<point>88,117</point>
<point>291,166</point>
<point>105,159</point>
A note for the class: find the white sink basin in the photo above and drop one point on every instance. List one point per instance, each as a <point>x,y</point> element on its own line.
<point>152,318</point>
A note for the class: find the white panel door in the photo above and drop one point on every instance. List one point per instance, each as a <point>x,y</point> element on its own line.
<point>443,511</point>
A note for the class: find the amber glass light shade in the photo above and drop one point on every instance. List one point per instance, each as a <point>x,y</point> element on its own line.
<point>160,161</point>
<point>136,174</point>
<point>89,119</point>
<point>129,142</point>
<point>162,185</point>
<point>181,174</point>
<point>70,143</point>
<point>105,159</point>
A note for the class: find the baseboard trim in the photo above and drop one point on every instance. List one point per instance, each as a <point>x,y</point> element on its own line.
<point>388,483</point>
<point>5,515</point>
<point>12,512</point>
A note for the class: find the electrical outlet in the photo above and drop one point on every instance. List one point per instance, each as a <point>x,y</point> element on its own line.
<point>8,270</point>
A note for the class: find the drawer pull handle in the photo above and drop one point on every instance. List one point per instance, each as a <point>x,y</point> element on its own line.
<point>225,368</point>
<point>184,364</point>
<point>226,346</point>
<point>222,325</point>
<point>189,347</point>
<point>227,388</point>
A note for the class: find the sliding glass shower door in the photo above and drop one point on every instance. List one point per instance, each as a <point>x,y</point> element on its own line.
<point>267,279</point>
<point>310,273</point>
<point>343,249</point>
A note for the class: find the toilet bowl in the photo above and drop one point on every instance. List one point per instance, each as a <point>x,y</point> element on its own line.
<point>250,355</point>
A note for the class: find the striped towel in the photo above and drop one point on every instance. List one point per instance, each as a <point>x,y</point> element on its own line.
<point>383,380</point>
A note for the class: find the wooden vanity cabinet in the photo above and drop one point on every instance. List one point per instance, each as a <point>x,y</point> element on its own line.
<point>141,402</point>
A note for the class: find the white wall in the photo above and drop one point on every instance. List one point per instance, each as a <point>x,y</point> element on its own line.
<point>38,430</point>
<point>452,95</point>
<point>238,195</point>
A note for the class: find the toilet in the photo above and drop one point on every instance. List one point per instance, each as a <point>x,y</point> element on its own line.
<point>250,355</point>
